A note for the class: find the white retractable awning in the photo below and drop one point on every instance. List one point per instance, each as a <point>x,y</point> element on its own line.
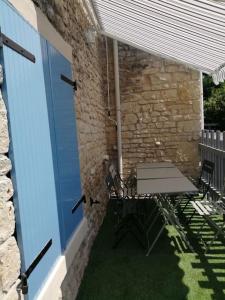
<point>188,31</point>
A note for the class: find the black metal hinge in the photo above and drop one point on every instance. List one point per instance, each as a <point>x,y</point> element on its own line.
<point>23,285</point>
<point>78,203</point>
<point>92,201</point>
<point>4,40</point>
<point>69,81</point>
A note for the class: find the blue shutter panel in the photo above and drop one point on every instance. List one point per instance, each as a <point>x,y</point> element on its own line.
<point>31,152</point>
<point>60,97</point>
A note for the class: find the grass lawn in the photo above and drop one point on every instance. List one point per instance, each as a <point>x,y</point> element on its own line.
<point>171,272</point>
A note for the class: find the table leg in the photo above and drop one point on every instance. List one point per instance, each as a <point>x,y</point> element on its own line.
<point>156,239</point>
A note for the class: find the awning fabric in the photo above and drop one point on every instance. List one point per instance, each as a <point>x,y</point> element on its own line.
<point>188,31</point>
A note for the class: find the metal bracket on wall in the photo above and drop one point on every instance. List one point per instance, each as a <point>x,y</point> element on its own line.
<point>92,201</point>
<point>69,81</point>
<point>78,203</point>
<point>23,285</point>
<point>4,40</point>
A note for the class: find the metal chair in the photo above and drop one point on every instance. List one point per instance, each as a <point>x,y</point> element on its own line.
<point>115,197</point>
<point>124,207</point>
<point>128,188</point>
<point>203,184</point>
<point>209,209</point>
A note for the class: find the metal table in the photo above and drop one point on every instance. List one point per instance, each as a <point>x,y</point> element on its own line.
<point>155,165</point>
<point>158,173</point>
<point>172,185</point>
<point>163,180</point>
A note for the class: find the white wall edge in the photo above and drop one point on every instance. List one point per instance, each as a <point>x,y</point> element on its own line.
<point>39,21</point>
<point>51,287</point>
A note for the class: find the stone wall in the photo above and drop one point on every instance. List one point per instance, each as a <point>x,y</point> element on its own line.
<point>71,20</point>
<point>161,110</point>
<point>9,252</point>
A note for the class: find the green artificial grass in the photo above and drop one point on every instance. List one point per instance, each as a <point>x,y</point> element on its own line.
<point>170,272</point>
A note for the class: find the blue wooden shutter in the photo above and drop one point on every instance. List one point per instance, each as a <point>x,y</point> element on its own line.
<point>31,153</point>
<point>60,97</point>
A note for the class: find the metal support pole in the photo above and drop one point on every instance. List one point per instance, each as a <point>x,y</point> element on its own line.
<point>118,109</point>
<point>202,101</point>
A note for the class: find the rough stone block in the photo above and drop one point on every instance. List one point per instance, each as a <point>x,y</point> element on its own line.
<point>1,74</point>
<point>170,124</point>
<point>130,119</point>
<point>181,76</point>
<point>13,294</point>
<point>159,107</point>
<point>2,104</point>
<point>7,220</point>
<point>6,188</point>
<point>4,135</point>
<point>9,264</point>
<point>160,77</point>
<point>169,94</point>
<point>5,165</point>
<point>196,107</point>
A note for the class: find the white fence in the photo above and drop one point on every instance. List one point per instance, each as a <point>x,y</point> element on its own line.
<point>212,148</point>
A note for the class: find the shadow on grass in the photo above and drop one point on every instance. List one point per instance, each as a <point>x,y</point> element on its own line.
<point>126,273</point>
<point>212,263</point>
<point>171,271</point>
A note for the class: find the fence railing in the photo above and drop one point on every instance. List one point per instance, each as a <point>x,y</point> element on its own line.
<point>212,148</point>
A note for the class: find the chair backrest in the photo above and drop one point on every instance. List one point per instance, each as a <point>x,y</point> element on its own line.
<point>208,166</point>
<point>109,183</point>
<point>118,182</point>
<point>112,170</point>
<point>122,188</point>
<point>206,175</point>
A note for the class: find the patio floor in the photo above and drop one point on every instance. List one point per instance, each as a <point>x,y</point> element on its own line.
<point>170,272</point>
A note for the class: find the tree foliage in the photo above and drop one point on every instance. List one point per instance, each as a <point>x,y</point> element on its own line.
<point>214,102</point>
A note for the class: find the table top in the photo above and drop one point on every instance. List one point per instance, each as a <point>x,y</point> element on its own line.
<point>155,165</point>
<point>165,186</point>
<point>162,178</point>
<point>158,173</point>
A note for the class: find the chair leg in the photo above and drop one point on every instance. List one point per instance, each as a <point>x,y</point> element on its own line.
<point>119,239</point>
<point>121,225</point>
<point>126,224</point>
<point>209,244</point>
<point>203,224</point>
<point>153,222</point>
<point>137,239</point>
<point>189,219</point>
<point>155,240</point>
<point>138,224</point>
<point>188,201</point>
<point>151,214</point>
